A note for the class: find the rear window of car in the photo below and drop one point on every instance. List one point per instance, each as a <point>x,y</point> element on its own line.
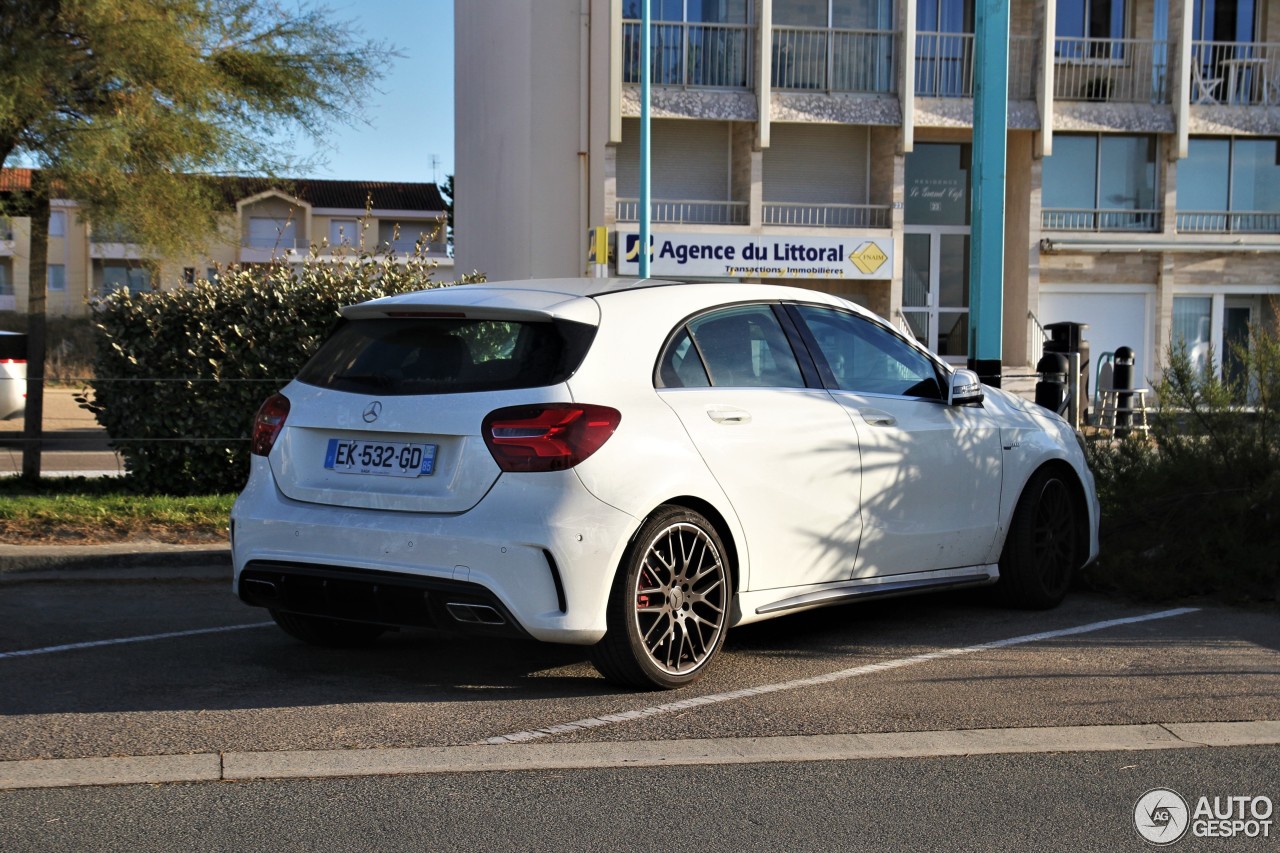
<point>397,356</point>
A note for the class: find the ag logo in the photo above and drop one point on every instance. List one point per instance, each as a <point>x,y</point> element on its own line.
<point>1161,816</point>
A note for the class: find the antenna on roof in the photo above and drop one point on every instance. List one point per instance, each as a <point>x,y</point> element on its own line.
<point>435,168</point>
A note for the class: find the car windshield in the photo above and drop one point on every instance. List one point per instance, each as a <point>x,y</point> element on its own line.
<point>446,355</point>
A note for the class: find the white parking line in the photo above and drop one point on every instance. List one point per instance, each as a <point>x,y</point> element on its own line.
<point>841,675</point>
<point>47,650</point>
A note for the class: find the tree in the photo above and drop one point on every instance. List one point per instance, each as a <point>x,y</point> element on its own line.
<point>120,102</point>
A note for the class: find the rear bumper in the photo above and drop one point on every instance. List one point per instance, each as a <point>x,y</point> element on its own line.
<point>538,549</point>
<point>378,597</point>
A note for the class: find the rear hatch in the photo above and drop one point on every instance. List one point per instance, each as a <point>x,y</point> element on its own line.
<point>387,414</point>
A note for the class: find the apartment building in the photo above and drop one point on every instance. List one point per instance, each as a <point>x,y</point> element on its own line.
<point>264,220</point>
<point>828,143</point>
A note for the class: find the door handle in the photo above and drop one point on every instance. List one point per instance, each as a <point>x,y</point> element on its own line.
<point>875,417</point>
<point>729,416</point>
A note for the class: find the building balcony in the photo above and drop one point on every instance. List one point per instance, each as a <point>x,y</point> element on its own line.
<point>827,215</point>
<point>1063,219</point>
<point>691,54</point>
<point>1245,74</point>
<point>1228,222</point>
<point>1134,71</point>
<point>944,66</point>
<point>829,60</point>
<point>685,212</point>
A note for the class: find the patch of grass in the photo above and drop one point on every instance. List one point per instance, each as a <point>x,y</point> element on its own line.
<point>90,511</point>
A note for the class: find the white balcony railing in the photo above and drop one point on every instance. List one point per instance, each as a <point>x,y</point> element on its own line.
<point>827,215</point>
<point>1235,73</point>
<point>1111,70</point>
<point>691,54</point>
<point>685,212</point>
<point>1063,219</point>
<point>860,61</point>
<point>278,243</point>
<point>945,65</point>
<point>1228,222</point>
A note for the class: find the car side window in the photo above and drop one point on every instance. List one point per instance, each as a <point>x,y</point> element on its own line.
<point>745,347</point>
<point>867,358</point>
<point>681,366</point>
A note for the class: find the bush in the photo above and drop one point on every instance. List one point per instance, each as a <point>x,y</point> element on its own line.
<point>180,373</point>
<point>1196,510</point>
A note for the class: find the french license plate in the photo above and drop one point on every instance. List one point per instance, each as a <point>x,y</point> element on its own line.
<point>388,458</point>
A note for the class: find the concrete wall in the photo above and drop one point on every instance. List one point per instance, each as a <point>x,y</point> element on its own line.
<point>521,200</point>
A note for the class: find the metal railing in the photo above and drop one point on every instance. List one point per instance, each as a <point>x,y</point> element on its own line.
<point>827,215</point>
<point>1228,222</point>
<point>273,243</point>
<point>1063,219</point>
<point>862,61</point>
<point>112,235</point>
<point>691,54</point>
<point>1235,73</point>
<point>1111,70</point>
<point>685,211</point>
<point>945,65</point>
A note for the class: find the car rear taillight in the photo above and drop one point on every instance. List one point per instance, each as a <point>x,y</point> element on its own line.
<point>268,423</point>
<point>547,437</point>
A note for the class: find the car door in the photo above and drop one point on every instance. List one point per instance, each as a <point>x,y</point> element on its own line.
<point>931,472</point>
<point>779,446</point>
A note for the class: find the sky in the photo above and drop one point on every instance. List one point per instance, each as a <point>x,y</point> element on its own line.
<point>410,119</point>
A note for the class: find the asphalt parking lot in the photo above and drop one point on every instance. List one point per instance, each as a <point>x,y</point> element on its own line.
<point>158,662</point>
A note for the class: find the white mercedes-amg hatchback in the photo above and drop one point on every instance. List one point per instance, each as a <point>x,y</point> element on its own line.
<point>639,466</point>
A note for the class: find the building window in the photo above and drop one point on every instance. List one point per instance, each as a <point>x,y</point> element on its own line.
<point>405,236</point>
<point>57,223</point>
<point>211,274</point>
<point>121,277</point>
<point>272,232</point>
<point>188,275</point>
<point>1089,19</point>
<point>6,286</point>
<point>692,43</point>
<point>1101,182</point>
<point>1222,20</point>
<point>834,45</point>
<point>343,232</point>
<point>1228,185</point>
<point>57,277</point>
<point>1214,330</point>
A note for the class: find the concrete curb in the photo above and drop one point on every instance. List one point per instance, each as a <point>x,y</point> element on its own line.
<point>478,758</point>
<point>18,559</point>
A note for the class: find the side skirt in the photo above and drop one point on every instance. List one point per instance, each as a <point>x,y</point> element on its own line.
<point>765,604</point>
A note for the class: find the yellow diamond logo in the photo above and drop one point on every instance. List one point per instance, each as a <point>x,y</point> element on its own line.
<point>868,257</point>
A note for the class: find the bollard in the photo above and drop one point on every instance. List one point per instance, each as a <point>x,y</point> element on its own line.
<point>1121,381</point>
<point>1052,385</point>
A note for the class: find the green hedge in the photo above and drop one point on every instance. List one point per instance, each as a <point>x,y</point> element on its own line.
<point>180,373</point>
<point>1195,510</point>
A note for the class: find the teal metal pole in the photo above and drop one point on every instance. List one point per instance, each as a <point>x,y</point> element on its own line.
<point>646,73</point>
<point>990,131</point>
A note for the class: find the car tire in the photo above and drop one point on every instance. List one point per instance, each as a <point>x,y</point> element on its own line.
<point>1042,550</point>
<point>668,610</point>
<point>331,633</point>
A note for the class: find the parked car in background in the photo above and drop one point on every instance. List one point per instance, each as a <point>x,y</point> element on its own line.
<point>639,466</point>
<point>13,376</point>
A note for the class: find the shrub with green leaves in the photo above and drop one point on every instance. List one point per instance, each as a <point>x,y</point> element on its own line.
<point>1196,510</point>
<point>179,374</point>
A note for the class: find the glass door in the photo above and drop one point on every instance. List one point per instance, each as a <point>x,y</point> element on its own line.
<point>935,288</point>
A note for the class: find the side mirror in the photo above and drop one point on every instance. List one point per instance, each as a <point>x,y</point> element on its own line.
<point>966,388</point>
